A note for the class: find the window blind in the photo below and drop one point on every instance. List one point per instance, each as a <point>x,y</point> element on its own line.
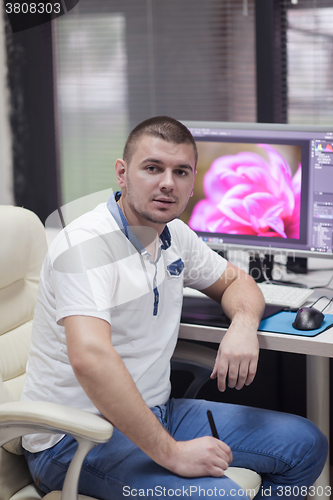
<point>310,61</point>
<point>119,62</point>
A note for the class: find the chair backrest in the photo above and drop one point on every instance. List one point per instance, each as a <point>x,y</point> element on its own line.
<point>22,251</point>
<point>196,359</point>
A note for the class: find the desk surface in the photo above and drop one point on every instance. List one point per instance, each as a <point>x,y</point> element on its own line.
<point>321,345</point>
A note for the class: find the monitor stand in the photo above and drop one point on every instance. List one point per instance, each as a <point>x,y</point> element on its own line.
<point>298,265</point>
<point>257,265</point>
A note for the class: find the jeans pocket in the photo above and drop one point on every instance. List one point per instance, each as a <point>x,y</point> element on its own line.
<point>48,467</point>
<point>35,464</point>
<point>175,268</point>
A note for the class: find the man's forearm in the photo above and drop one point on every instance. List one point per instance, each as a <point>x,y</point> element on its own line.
<point>107,382</point>
<point>243,300</point>
<point>237,358</point>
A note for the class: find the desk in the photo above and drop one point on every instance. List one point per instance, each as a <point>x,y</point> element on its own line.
<point>318,350</point>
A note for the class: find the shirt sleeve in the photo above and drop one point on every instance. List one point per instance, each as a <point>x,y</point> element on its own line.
<point>83,280</point>
<point>77,294</point>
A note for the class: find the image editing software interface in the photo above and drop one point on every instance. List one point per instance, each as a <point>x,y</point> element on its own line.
<point>266,187</point>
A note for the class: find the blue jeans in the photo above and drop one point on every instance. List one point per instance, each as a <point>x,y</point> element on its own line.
<point>288,451</point>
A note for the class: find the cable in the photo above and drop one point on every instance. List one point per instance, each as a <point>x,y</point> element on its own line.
<point>325,286</point>
<point>283,264</point>
<point>322,297</point>
<point>275,282</point>
<point>263,270</point>
<point>327,305</point>
<point>320,269</point>
<point>293,283</point>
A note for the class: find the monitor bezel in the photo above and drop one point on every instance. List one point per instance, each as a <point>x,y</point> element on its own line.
<point>269,127</point>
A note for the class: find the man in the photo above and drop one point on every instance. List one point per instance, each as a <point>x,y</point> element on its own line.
<point>105,327</point>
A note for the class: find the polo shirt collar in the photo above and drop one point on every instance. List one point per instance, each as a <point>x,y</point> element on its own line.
<point>120,219</point>
<point>165,238</point>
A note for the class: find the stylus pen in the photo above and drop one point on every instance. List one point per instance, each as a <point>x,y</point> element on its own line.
<point>212,425</point>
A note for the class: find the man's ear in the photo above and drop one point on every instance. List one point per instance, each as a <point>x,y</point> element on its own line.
<point>121,168</point>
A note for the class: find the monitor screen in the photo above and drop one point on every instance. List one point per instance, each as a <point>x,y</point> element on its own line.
<point>266,187</point>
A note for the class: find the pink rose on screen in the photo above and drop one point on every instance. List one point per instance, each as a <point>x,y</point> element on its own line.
<point>245,194</point>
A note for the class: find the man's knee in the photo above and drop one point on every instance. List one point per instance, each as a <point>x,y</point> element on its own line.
<point>319,448</point>
<point>314,438</point>
<point>313,448</point>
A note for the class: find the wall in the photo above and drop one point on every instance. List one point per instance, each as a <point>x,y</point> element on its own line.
<point>6,181</point>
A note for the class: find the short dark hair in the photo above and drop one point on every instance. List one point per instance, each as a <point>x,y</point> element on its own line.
<point>165,128</point>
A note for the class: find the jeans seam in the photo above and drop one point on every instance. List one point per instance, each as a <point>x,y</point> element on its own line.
<point>88,468</point>
<point>59,464</point>
<point>263,453</point>
<point>162,415</point>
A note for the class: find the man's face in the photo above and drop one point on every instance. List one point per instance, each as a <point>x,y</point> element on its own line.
<point>158,182</point>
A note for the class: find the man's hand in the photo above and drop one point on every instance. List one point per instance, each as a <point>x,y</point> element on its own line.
<point>237,357</point>
<point>205,456</point>
<point>243,303</point>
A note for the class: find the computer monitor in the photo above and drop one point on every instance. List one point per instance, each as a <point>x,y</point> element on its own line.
<point>263,187</point>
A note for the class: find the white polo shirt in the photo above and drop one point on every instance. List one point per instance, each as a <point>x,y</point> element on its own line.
<point>97,267</point>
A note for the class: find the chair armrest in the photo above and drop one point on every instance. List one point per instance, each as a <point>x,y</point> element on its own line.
<point>28,417</point>
<point>25,417</point>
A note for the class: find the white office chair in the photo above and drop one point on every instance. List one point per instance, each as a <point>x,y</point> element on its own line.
<point>22,250</point>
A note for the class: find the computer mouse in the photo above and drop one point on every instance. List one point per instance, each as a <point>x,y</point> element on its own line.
<point>308,318</point>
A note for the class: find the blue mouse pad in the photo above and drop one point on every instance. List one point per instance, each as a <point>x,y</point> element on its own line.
<point>282,323</point>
